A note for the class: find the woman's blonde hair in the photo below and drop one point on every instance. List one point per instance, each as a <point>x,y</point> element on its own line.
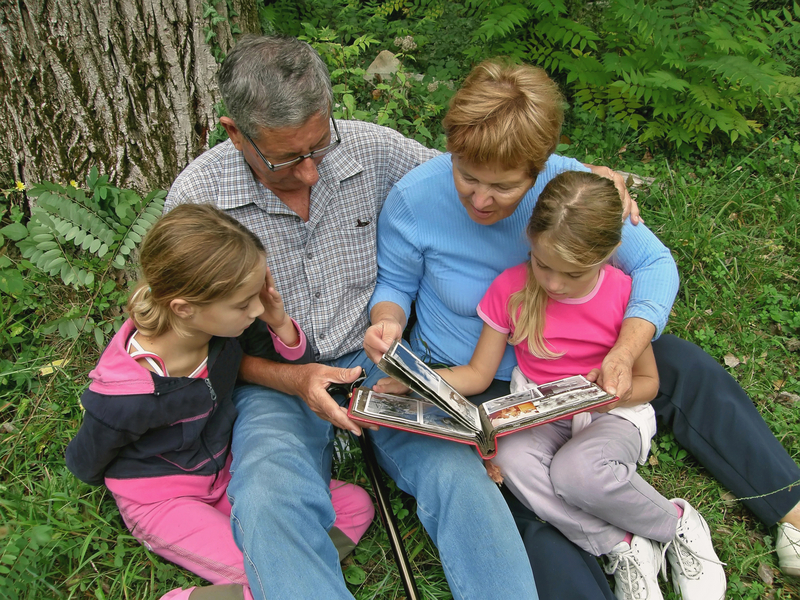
<point>195,252</point>
<point>505,115</point>
<point>579,216</point>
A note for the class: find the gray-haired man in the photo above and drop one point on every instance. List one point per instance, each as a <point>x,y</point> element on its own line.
<point>312,189</point>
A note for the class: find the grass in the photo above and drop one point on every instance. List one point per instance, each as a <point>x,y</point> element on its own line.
<point>732,224</point>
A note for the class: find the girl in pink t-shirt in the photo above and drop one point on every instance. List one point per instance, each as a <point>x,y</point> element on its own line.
<point>563,311</point>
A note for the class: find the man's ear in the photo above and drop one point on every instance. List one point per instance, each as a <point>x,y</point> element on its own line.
<point>233,132</point>
<point>181,308</point>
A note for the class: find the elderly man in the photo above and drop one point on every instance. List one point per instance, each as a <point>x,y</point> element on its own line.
<point>318,220</point>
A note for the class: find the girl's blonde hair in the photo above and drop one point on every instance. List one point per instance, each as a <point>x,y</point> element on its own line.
<point>197,253</point>
<point>579,216</point>
<point>505,115</point>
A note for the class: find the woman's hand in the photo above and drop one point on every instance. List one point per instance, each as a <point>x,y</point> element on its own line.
<point>629,206</point>
<point>593,376</point>
<point>380,336</point>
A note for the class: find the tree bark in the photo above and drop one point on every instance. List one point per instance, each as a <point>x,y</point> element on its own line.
<point>125,85</point>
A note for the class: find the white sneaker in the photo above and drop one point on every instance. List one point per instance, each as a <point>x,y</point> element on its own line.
<point>696,570</point>
<point>788,547</point>
<point>635,568</point>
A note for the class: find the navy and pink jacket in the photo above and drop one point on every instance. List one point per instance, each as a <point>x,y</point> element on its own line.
<point>139,424</point>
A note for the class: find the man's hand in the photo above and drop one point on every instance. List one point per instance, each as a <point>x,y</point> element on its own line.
<point>312,389</point>
<point>380,336</point>
<point>629,206</point>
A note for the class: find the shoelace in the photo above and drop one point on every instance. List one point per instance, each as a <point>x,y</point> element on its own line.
<point>688,560</point>
<point>794,544</point>
<point>632,577</point>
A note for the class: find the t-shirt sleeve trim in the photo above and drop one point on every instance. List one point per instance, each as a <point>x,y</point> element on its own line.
<point>491,323</point>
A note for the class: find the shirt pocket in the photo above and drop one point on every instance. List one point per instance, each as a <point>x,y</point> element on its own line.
<point>351,247</point>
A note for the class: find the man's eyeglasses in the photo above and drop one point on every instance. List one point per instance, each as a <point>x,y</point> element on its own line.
<point>296,161</point>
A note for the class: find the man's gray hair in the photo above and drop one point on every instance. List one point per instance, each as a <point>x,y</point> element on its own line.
<point>272,82</point>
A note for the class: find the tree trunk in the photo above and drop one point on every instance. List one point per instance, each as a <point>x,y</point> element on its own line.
<point>125,85</point>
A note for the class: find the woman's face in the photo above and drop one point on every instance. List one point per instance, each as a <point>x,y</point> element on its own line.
<point>489,194</point>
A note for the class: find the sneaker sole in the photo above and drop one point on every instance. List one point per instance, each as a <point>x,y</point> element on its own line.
<point>793,571</point>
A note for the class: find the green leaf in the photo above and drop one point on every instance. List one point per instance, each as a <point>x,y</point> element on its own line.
<point>355,575</point>
<point>91,179</point>
<point>15,231</point>
<point>11,282</point>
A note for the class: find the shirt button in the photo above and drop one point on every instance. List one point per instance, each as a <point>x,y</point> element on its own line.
<point>317,294</point>
<point>322,336</point>
<point>309,255</point>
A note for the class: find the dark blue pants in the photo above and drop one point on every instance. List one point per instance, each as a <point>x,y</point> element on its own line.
<point>714,419</point>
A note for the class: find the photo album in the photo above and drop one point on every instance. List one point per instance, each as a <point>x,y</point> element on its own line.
<point>440,411</point>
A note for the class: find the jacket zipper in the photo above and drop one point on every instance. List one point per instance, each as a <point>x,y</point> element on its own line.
<point>202,435</point>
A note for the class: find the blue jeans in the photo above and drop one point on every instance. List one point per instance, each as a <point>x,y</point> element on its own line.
<point>282,510</point>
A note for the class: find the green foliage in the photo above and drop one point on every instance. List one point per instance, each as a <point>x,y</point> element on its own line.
<point>83,237</point>
<point>407,104</point>
<point>213,19</point>
<point>18,564</point>
<point>78,235</point>
<point>676,70</point>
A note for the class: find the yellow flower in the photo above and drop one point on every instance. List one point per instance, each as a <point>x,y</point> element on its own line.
<point>73,183</point>
<point>20,186</point>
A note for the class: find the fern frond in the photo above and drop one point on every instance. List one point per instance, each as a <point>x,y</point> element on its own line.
<point>502,20</point>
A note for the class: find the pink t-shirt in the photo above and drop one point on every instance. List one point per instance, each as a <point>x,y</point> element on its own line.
<point>584,328</point>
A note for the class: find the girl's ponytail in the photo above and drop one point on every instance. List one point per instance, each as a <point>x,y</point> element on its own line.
<point>148,315</point>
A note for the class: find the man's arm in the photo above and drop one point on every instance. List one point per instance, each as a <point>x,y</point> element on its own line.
<point>308,381</point>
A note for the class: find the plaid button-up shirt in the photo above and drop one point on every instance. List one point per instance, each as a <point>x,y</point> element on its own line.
<point>324,268</point>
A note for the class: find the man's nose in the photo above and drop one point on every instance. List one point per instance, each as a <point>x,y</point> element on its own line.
<point>306,171</point>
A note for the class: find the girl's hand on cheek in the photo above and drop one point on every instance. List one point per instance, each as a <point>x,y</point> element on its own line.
<point>274,314</point>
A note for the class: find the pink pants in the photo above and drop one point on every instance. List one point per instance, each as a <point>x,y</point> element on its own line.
<point>194,531</point>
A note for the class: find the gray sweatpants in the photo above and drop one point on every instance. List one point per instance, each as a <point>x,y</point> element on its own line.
<point>587,485</point>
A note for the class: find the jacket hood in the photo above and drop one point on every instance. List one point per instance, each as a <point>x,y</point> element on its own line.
<point>117,373</point>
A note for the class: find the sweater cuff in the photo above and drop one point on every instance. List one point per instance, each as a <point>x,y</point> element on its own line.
<point>385,293</point>
<point>290,353</point>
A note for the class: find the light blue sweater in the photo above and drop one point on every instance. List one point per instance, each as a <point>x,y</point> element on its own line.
<point>430,252</point>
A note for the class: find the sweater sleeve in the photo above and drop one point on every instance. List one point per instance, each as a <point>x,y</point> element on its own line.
<point>258,340</point>
<point>655,276</point>
<point>400,258</point>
